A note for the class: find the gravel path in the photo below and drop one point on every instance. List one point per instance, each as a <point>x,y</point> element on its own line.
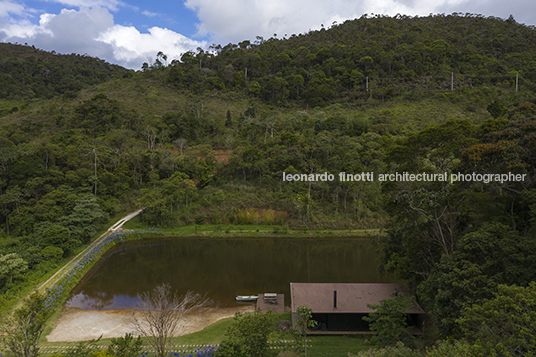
<point>59,274</point>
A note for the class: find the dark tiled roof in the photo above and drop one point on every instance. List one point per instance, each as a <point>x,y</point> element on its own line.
<point>351,298</point>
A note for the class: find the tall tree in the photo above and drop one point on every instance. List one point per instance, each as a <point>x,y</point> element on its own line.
<point>160,315</point>
<point>12,265</point>
<point>21,332</point>
<point>248,335</point>
<point>304,322</point>
<point>504,325</point>
<point>389,321</point>
<point>482,260</point>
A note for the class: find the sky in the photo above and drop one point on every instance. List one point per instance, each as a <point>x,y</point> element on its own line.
<point>131,32</point>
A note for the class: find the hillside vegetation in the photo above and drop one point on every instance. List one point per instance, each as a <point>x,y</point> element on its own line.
<point>207,139</point>
<point>26,72</point>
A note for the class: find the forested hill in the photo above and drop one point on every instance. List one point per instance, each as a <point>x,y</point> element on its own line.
<point>397,54</point>
<point>26,72</point>
<point>389,56</point>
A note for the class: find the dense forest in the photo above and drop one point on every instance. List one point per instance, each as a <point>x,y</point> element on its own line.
<point>207,139</point>
<point>26,72</point>
<point>384,56</point>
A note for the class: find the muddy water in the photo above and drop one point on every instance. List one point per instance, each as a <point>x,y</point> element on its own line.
<point>223,268</point>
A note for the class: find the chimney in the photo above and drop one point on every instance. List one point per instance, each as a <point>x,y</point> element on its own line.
<point>334,299</point>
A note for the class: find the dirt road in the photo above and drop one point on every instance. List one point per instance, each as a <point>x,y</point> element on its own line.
<point>59,274</point>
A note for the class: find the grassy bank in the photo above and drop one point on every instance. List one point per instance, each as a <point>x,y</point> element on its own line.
<point>230,230</point>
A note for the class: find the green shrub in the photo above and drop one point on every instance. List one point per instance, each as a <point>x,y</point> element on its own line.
<point>52,253</point>
<point>200,219</point>
<point>389,321</point>
<point>450,349</point>
<point>127,346</point>
<point>392,351</point>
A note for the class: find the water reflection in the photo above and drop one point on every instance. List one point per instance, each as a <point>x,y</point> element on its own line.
<point>223,268</point>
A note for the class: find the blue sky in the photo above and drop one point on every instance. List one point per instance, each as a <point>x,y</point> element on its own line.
<point>130,32</point>
<point>172,15</point>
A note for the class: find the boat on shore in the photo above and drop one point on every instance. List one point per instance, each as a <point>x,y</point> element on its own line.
<point>247,297</point>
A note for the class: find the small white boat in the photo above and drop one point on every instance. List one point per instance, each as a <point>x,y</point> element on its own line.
<point>247,297</point>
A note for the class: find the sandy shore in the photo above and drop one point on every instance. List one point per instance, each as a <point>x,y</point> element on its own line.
<point>76,324</point>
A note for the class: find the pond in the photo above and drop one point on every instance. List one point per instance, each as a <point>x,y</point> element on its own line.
<point>223,268</point>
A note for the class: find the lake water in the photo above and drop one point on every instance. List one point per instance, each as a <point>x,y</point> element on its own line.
<point>223,268</point>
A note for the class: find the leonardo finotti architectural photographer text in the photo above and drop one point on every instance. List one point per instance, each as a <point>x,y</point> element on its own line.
<point>406,177</point>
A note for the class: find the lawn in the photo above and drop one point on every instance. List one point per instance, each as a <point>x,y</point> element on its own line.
<point>334,346</point>
<point>318,346</point>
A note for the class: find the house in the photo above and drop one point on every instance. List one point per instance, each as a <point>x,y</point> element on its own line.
<point>339,308</point>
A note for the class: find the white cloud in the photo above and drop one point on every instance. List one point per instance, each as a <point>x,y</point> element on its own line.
<point>148,13</point>
<point>236,20</point>
<point>133,48</point>
<point>20,30</point>
<point>107,4</point>
<point>8,7</point>
<point>74,31</point>
<point>522,10</point>
<point>92,31</point>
